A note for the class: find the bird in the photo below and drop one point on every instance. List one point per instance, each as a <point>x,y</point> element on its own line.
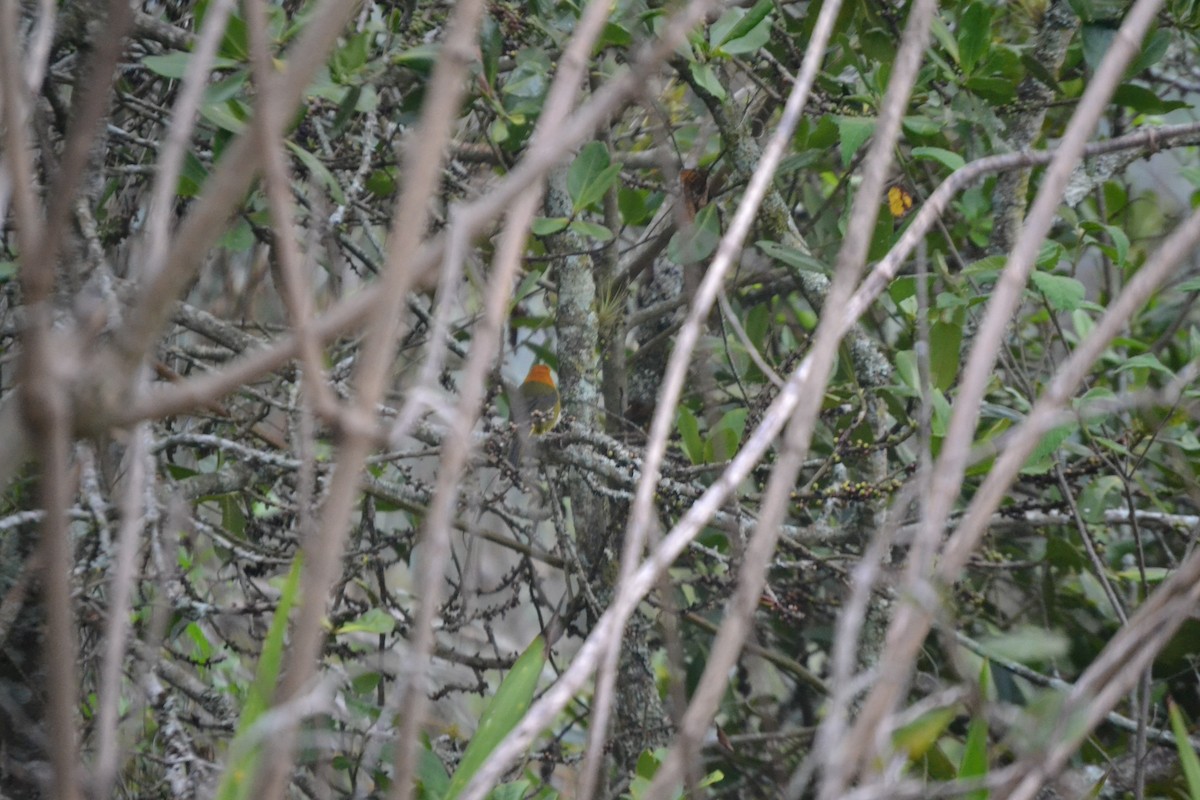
<point>538,403</point>
<point>540,400</point>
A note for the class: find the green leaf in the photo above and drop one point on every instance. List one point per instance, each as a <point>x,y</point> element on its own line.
<point>726,435</point>
<point>591,230</point>
<point>937,766</point>
<point>346,109</point>
<point>647,765</point>
<point>1153,49</point>
<point>382,182</point>
<point>239,238</point>
<point>1096,39</point>
<point>510,791</point>
<point>737,23</point>
<point>631,204</point>
<point>600,184</point>
<point>613,35</point>
<point>367,98</point>
<point>985,678</point>
<point>906,369</point>
<point>792,257</point>
<point>238,779</point>
<point>919,125</point>
<point>918,736</point>
<point>592,160</point>
<point>1144,101</point>
<point>236,42</point>
<point>689,432</point>
<point>706,77</point>
<point>376,620</point>
<point>1151,574</point>
<point>192,176</point>
<point>1049,255</point>
<point>175,65</point>
<point>882,237</point>
<point>226,115</point>
<point>993,89</point>
<point>1038,70</point>
<point>944,37</point>
<point>528,284</point>
<point>498,131</point>
<point>431,773</point>
<point>317,169</point>
<point>502,714</point>
<point>420,58</point>
<point>544,226</point>
<point>877,45</point>
<point>529,80</point>
<point>940,421</point>
<point>1187,754</point>
<point>491,47</point>
<point>1094,500</point>
<point>1041,459</point>
<point>751,42</point>
<point>949,158</point>
<point>718,32</point>
<point>1062,293</point>
<point>350,57</point>
<point>1120,241</point>
<point>590,175</point>
<point>974,763</point>
<point>202,647</point>
<point>853,132</point>
<point>1145,361</point>
<point>945,341</point>
<point>757,324</point>
<point>1028,644</point>
<point>232,87</point>
<point>974,36</point>
<point>987,268</point>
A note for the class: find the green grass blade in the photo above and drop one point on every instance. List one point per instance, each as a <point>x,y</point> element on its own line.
<point>502,714</point>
